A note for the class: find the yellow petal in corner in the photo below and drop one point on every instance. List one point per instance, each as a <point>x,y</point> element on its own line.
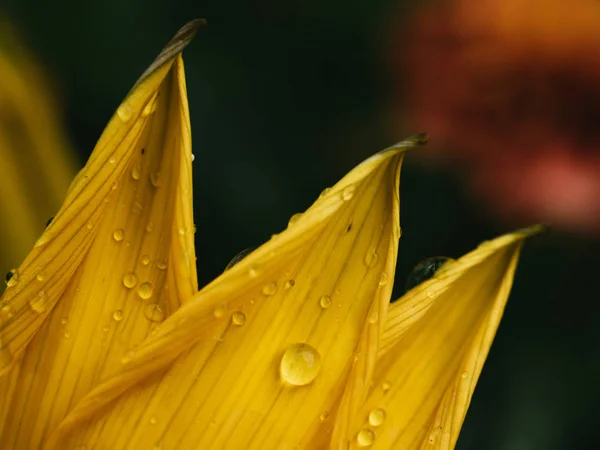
<point>435,341</point>
<point>258,358</point>
<point>112,265</point>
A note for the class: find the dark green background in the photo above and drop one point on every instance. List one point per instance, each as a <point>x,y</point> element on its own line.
<point>285,98</point>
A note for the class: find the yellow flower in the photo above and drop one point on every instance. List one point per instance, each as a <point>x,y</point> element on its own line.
<point>37,163</point>
<point>295,346</point>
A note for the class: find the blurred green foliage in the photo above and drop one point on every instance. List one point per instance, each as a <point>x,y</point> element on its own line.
<point>285,98</point>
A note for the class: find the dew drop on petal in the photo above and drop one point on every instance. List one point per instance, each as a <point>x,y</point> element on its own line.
<point>348,192</point>
<point>325,302</point>
<point>39,303</point>
<point>219,311</point>
<point>238,318</point>
<point>145,290</point>
<point>118,315</point>
<point>300,364</point>
<point>112,160</point>
<point>193,157</point>
<point>324,192</point>
<point>64,320</point>
<point>371,258</point>
<point>153,420</point>
<point>118,234</point>
<point>130,280</point>
<point>365,437</point>
<point>136,172</point>
<point>154,313</point>
<point>324,416</point>
<point>374,317</point>
<point>124,112</point>
<point>11,278</point>
<point>6,312</point>
<point>150,226</point>
<point>290,283</point>
<point>377,417</point>
<point>386,386</point>
<point>294,219</point>
<point>270,289</point>
<point>383,279</point>
<point>90,225</point>
<point>161,265</point>
<point>155,179</point>
<point>67,334</point>
<point>145,260</point>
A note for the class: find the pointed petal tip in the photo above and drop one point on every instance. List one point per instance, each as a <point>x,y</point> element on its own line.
<point>415,140</point>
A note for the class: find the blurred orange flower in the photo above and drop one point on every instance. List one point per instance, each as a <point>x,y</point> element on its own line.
<point>513,89</point>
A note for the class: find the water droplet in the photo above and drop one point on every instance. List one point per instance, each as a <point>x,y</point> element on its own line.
<point>161,265</point>
<point>193,157</point>
<point>348,192</point>
<point>324,416</point>
<point>290,283</point>
<point>464,375</point>
<point>127,357</point>
<point>383,279</point>
<point>155,179</point>
<point>11,278</point>
<point>145,290</point>
<point>64,320</point>
<point>371,258</point>
<point>90,225</point>
<point>112,160</point>
<point>118,315</point>
<point>219,311</point>
<point>377,417</point>
<point>115,185</point>
<point>270,289</point>
<point>105,328</point>
<point>130,280</point>
<point>39,303</point>
<point>324,192</point>
<point>238,318</point>
<point>154,313</point>
<point>118,234</point>
<point>182,231</point>
<point>67,334</point>
<point>6,312</point>
<point>145,260</point>
<point>237,258</point>
<point>325,302</point>
<point>124,112</point>
<point>431,293</point>
<point>150,226</point>
<point>425,270</point>
<point>136,172</point>
<point>374,317</point>
<point>294,219</point>
<point>386,386</point>
<point>365,437</point>
<point>153,420</point>
<point>300,364</point>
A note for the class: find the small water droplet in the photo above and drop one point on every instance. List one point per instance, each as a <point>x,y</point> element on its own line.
<point>118,234</point>
<point>161,265</point>
<point>150,226</point>
<point>105,328</point>
<point>127,357</point>
<point>464,375</point>
<point>154,313</point>
<point>6,312</point>
<point>374,317</point>
<point>324,192</point>
<point>386,386</point>
<point>238,318</point>
<point>383,279</point>
<point>145,260</point>
<point>136,172</point>
<point>325,302</point>
<point>365,437</point>
<point>112,160</point>
<point>145,290</point>
<point>193,157</point>
<point>294,219</point>
<point>115,185</point>
<point>348,192</point>
<point>41,276</point>
<point>377,417</point>
<point>181,231</point>
<point>11,278</point>
<point>90,225</point>
<point>118,315</point>
<point>153,420</point>
<point>431,293</point>
<point>124,112</point>
<point>324,416</point>
<point>219,311</point>
<point>64,320</point>
<point>290,283</point>
<point>130,280</point>
<point>39,303</point>
<point>155,179</point>
<point>270,289</point>
<point>67,334</point>
<point>300,364</point>
<point>371,258</point>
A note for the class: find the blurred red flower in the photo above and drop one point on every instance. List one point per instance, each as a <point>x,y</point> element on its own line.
<point>512,89</point>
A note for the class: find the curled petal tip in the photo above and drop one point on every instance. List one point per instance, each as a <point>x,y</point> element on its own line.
<point>413,141</point>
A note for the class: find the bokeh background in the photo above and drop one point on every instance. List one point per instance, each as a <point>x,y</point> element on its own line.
<point>286,97</point>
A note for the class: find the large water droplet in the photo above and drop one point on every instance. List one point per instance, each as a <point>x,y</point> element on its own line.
<point>238,318</point>
<point>348,192</point>
<point>118,315</point>
<point>130,280</point>
<point>124,112</point>
<point>154,313</point>
<point>377,417</point>
<point>145,290</point>
<point>365,437</point>
<point>325,302</point>
<point>136,172</point>
<point>39,303</point>
<point>270,289</point>
<point>118,234</point>
<point>300,364</point>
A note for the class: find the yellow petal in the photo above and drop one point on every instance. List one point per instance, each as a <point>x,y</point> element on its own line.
<point>37,163</point>
<point>114,262</point>
<point>434,344</point>
<point>238,365</point>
